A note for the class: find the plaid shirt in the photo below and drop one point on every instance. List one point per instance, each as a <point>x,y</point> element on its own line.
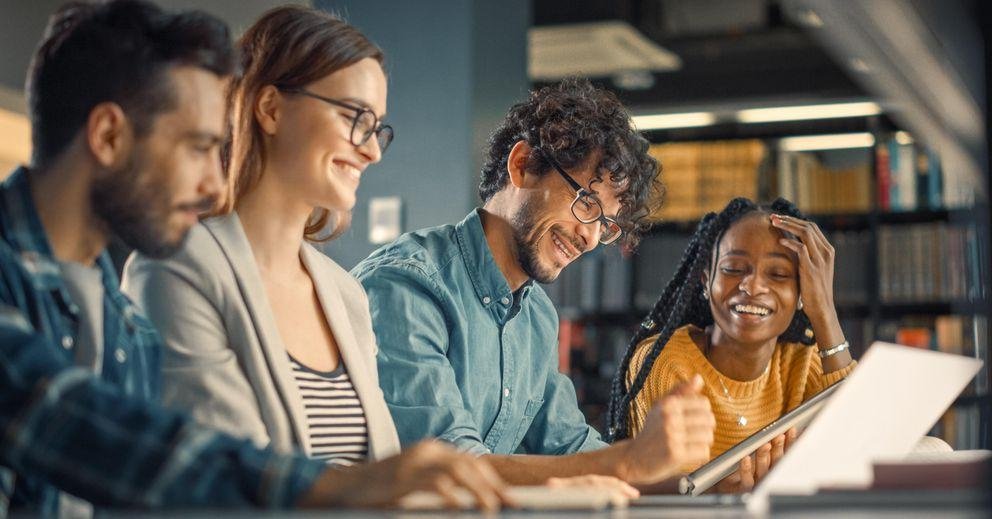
<point>104,438</point>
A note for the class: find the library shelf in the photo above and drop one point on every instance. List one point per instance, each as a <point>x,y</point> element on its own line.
<point>912,253</point>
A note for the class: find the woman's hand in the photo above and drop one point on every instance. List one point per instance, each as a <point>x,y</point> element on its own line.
<point>427,466</point>
<point>816,282</point>
<point>754,467</point>
<point>816,262</point>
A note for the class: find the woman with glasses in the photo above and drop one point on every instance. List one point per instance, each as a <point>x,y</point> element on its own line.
<point>268,338</point>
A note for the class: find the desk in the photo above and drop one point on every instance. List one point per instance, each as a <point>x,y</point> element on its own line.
<point>921,504</point>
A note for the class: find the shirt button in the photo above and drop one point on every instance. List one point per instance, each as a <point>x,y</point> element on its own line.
<point>486,300</point>
<point>67,341</point>
<point>120,355</point>
<point>506,391</point>
<point>505,300</point>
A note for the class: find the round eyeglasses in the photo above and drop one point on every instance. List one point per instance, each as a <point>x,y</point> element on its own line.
<point>586,208</point>
<point>364,123</point>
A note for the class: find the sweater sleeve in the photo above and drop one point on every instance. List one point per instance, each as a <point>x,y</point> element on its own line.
<point>817,381</point>
<point>665,374</point>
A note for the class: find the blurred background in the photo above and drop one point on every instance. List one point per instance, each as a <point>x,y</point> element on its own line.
<point>871,116</point>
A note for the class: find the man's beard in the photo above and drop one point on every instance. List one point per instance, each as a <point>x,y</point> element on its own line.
<point>528,252</point>
<point>136,209</point>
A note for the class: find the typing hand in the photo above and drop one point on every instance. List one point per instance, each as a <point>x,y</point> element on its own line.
<point>428,466</point>
<point>754,467</point>
<point>678,431</point>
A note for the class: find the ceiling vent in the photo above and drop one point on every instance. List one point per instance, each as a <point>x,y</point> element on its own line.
<point>596,49</point>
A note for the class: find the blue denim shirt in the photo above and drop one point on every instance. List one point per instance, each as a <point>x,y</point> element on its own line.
<point>103,438</point>
<point>460,357</point>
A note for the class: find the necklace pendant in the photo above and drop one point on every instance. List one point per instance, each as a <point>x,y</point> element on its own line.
<point>741,421</point>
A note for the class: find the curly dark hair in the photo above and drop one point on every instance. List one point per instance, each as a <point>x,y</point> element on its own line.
<point>682,303</point>
<point>572,120</point>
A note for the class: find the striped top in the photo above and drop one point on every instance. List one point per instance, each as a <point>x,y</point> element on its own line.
<point>339,432</point>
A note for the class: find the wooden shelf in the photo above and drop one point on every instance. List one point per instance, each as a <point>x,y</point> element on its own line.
<point>844,310</point>
<point>848,221</point>
<point>891,310</point>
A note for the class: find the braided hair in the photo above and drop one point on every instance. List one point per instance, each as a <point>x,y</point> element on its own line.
<point>682,303</point>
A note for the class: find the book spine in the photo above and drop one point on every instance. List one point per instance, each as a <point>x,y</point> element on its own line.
<point>883,177</point>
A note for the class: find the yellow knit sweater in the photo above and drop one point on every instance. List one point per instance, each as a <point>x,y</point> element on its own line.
<point>794,374</point>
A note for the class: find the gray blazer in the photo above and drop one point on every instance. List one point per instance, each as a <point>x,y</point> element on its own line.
<point>224,360</point>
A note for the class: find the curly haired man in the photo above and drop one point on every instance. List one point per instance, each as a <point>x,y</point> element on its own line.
<point>467,339</point>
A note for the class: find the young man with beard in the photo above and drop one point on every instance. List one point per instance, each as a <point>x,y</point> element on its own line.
<point>468,341</point>
<point>127,108</point>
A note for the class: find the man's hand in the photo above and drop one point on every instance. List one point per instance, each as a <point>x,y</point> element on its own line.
<point>754,467</point>
<point>428,466</point>
<point>678,431</point>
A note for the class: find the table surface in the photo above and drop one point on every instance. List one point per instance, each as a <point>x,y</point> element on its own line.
<point>954,504</point>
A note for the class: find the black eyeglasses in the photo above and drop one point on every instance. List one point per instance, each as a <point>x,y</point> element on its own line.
<point>586,208</point>
<point>363,125</point>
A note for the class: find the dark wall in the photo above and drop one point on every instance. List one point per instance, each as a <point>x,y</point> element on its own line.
<point>21,25</point>
<point>454,67</point>
<point>23,21</point>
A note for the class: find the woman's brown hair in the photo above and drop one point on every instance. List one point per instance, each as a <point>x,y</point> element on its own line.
<point>288,47</point>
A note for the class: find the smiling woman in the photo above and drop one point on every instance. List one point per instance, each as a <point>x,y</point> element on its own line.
<point>248,307</point>
<point>750,308</point>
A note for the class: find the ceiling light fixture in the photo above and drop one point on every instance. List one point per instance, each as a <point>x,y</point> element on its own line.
<point>667,121</point>
<point>808,112</point>
<point>834,141</point>
<point>904,138</point>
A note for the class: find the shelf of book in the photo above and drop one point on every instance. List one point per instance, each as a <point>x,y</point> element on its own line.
<point>847,221</point>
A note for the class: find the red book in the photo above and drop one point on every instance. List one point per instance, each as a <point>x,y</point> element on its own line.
<point>570,337</point>
<point>915,337</point>
<point>883,177</point>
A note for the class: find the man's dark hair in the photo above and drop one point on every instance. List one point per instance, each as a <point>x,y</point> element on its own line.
<point>573,120</point>
<point>682,302</point>
<point>117,52</point>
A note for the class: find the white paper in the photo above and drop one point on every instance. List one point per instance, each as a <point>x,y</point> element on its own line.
<point>893,397</point>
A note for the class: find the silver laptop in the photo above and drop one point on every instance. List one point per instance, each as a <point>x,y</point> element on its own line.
<point>885,406</point>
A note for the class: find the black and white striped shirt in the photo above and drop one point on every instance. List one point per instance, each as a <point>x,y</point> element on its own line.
<point>338,430</point>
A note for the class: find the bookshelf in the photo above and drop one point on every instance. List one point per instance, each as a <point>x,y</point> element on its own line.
<point>912,247</point>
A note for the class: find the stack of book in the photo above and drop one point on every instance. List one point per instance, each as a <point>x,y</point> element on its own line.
<point>958,334</point>
<point>961,427</point>
<point>599,281</point>
<point>816,188</point>
<point>852,250</point>
<point>931,262</point>
<point>908,178</point>
<point>703,176</point>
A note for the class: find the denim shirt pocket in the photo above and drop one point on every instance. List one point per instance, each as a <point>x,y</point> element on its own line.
<point>530,411</point>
